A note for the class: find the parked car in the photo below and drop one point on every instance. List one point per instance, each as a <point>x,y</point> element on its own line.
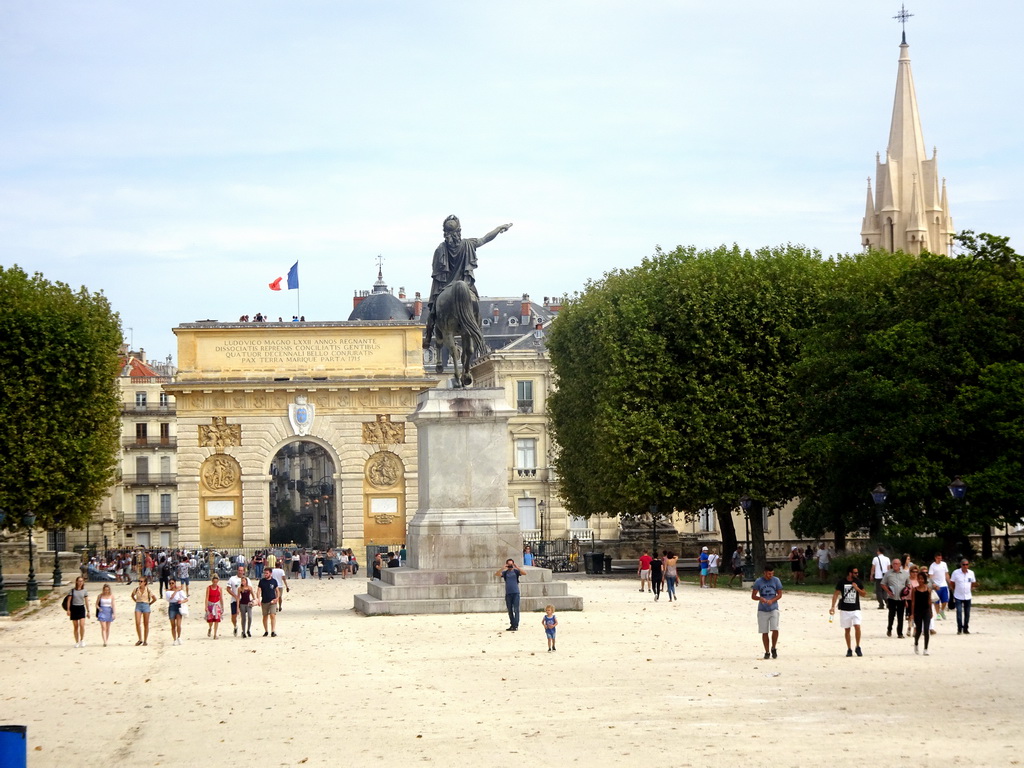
<point>98,574</point>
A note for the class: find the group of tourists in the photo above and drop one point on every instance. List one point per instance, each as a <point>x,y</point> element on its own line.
<point>908,591</point>
<point>660,573</point>
<point>240,594</point>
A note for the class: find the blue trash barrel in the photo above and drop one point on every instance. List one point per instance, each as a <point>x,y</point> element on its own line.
<point>13,746</point>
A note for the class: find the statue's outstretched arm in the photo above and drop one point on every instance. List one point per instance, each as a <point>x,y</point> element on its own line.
<point>494,233</point>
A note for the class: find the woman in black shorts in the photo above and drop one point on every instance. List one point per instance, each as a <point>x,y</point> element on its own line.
<point>78,610</point>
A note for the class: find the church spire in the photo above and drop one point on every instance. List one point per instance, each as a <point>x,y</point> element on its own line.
<point>908,209</point>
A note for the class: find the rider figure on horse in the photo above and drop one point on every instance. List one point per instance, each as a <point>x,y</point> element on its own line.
<point>454,259</point>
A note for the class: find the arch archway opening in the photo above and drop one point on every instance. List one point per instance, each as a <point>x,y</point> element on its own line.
<point>303,492</point>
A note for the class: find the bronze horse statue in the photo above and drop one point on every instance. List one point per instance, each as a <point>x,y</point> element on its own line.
<point>457,314</point>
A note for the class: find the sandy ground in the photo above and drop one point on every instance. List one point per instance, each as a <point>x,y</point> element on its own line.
<point>682,684</point>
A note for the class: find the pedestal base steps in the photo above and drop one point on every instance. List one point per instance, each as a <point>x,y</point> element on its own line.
<point>405,591</point>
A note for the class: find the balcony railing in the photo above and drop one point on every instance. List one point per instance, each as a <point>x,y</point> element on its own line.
<point>523,474</point>
<point>142,443</point>
<point>148,408</point>
<point>524,406</point>
<point>146,518</point>
<point>151,478</point>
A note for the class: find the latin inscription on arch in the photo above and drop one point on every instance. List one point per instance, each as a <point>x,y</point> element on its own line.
<point>268,350</point>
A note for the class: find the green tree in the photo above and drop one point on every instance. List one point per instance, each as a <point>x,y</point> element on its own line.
<point>59,407</point>
<point>912,378</point>
<point>673,383</point>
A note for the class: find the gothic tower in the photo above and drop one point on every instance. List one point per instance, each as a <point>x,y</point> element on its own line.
<point>907,211</point>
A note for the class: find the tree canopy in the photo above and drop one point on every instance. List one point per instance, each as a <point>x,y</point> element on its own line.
<point>674,383</point>
<point>59,406</point>
<point>913,377</point>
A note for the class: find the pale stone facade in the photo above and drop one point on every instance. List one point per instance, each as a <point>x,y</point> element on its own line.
<point>908,211</point>
<point>140,509</point>
<point>245,391</point>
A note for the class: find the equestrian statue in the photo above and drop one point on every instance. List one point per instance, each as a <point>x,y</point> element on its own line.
<point>454,304</point>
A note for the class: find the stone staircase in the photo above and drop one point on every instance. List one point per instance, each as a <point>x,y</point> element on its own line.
<point>402,591</point>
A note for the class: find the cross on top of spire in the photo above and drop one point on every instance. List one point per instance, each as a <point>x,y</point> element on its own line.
<point>380,265</point>
<point>902,17</point>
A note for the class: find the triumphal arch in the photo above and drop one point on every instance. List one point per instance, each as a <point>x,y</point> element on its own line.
<point>307,420</point>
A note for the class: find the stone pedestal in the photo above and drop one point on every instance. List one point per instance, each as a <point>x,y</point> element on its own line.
<point>464,529</point>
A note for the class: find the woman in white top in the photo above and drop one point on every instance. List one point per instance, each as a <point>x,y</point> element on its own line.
<point>105,612</point>
<point>175,599</point>
<point>78,609</point>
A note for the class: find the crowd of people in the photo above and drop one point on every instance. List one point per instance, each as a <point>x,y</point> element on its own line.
<point>916,595</point>
<point>237,585</point>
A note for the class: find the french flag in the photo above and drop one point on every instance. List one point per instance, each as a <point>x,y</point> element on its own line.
<point>293,279</point>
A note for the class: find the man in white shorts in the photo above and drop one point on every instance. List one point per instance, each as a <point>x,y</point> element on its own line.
<point>714,562</point>
<point>938,572</point>
<point>767,591</point>
<point>851,591</point>
<point>234,583</point>
<point>644,570</point>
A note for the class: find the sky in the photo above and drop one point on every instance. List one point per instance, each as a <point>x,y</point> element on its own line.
<point>178,157</point>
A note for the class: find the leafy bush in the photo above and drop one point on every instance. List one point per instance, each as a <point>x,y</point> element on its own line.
<point>998,575</point>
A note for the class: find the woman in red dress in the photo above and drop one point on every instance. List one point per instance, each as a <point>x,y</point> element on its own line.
<point>214,607</point>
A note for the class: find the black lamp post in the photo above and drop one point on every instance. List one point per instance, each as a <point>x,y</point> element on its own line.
<point>31,587</point>
<point>654,529</point>
<point>3,592</point>
<point>540,506</point>
<point>879,495</point>
<point>57,576</point>
<point>957,489</point>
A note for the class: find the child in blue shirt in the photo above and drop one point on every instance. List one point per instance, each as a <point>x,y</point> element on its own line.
<point>550,621</point>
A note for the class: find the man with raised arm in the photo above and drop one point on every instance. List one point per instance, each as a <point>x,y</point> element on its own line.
<point>454,259</point>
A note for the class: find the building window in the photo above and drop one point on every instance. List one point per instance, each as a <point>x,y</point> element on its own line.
<point>527,514</point>
<point>142,508</point>
<point>578,523</point>
<point>140,433</point>
<point>142,469</point>
<point>140,399</point>
<point>142,539</point>
<point>165,400</point>
<point>57,540</point>
<point>165,508</point>
<point>706,520</point>
<point>165,468</point>
<point>524,396</point>
<point>526,457</point>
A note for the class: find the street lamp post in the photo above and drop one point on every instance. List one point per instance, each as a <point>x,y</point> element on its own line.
<point>3,592</point>
<point>31,587</point>
<point>57,576</point>
<point>957,488</point>
<point>879,495</point>
<point>654,529</point>
<point>540,506</point>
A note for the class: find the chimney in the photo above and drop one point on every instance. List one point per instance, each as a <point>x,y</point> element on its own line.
<point>417,306</point>
<point>356,299</point>
<point>401,292</point>
<point>525,311</point>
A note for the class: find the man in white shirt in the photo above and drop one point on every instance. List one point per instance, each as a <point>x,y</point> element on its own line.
<point>938,573</point>
<point>964,582</point>
<point>233,585</point>
<point>278,575</point>
<point>879,567</point>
